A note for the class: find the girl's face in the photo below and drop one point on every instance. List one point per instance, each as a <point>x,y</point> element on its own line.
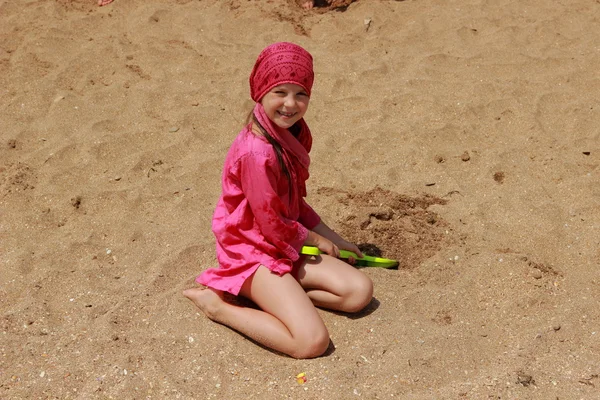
<point>285,104</point>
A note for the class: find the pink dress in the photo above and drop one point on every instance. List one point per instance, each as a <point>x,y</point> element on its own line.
<point>258,221</point>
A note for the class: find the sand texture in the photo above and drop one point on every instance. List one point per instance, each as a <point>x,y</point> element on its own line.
<point>459,137</point>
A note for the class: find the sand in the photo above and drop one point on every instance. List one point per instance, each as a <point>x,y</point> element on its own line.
<point>460,137</point>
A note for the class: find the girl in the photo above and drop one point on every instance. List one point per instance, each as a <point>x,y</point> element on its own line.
<point>262,221</point>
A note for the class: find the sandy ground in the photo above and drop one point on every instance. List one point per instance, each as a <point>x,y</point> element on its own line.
<point>460,137</point>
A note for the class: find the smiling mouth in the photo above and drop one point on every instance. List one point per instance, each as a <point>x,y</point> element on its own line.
<point>288,115</point>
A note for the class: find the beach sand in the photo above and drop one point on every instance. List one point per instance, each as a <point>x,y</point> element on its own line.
<point>459,137</point>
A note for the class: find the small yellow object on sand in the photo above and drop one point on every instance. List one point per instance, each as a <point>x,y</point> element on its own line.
<point>301,378</point>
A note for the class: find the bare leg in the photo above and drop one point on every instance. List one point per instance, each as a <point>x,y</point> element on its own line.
<point>241,319</point>
<point>287,322</point>
<point>104,2</point>
<point>333,284</point>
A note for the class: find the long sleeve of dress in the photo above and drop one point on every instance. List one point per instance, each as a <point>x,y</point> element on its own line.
<point>264,188</point>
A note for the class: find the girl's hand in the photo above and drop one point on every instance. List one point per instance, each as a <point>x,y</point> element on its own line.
<point>328,247</point>
<point>322,243</point>
<point>325,232</point>
<point>345,245</point>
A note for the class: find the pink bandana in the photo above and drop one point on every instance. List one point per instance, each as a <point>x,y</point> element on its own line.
<point>281,63</point>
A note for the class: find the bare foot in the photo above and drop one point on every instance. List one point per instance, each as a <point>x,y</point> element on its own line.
<point>308,5</point>
<point>104,2</point>
<point>208,300</point>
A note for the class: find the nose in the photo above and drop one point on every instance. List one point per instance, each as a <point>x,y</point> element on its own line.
<point>290,101</point>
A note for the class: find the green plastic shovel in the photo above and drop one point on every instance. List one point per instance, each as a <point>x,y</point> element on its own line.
<point>366,261</point>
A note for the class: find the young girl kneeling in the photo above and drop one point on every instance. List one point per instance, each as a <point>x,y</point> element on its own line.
<point>262,221</point>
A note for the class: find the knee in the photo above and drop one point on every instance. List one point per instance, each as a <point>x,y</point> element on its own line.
<point>313,345</point>
<point>361,294</point>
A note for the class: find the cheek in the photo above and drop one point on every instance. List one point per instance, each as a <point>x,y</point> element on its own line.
<point>275,104</point>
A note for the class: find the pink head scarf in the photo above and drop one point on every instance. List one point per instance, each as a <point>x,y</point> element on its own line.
<point>281,63</point>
